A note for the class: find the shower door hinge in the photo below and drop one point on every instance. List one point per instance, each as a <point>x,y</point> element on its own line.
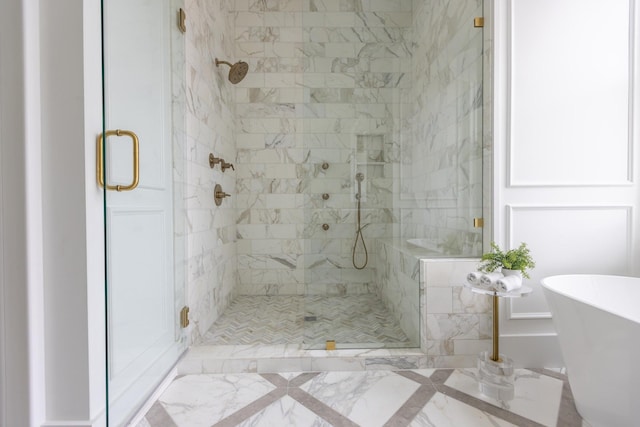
<point>184,317</point>
<point>182,21</point>
<point>478,22</point>
<point>478,222</point>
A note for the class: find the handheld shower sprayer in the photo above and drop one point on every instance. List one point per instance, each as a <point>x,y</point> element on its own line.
<point>359,179</point>
<point>359,236</point>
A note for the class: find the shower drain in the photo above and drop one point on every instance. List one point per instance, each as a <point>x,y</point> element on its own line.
<point>310,318</point>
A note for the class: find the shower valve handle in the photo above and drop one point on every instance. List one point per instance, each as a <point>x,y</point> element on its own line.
<point>226,166</point>
<point>213,160</point>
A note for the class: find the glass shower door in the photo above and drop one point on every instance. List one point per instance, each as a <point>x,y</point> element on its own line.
<point>136,164</point>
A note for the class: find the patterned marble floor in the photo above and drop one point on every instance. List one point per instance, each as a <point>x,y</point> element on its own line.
<point>361,319</point>
<point>425,397</point>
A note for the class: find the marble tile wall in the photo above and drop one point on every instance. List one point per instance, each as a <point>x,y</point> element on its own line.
<point>210,127</point>
<point>427,297</point>
<point>441,174</point>
<point>397,280</point>
<point>456,323</point>
<point>326,84</point>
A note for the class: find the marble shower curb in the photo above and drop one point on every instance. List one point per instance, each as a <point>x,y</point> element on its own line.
<point>294,358</point>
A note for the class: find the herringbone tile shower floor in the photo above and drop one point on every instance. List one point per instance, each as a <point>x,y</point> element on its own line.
<point>252,319</point>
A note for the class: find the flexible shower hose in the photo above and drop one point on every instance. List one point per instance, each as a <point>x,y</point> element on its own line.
<point>360,237</point>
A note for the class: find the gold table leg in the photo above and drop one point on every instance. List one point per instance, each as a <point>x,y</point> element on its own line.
<point>496,330</point>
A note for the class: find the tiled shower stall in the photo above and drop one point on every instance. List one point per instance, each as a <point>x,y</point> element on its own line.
<point>390,89</point>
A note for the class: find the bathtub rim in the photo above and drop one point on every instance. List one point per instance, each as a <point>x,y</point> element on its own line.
<point>549,287</point>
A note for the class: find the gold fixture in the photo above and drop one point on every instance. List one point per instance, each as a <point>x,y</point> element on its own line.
<point>182,21</point>
<point>478,222</point>
<point>496,330</point>
<point>237,72</point>
<point>213,160</point>
<point>218,194</point>
<point>478,22</point>
<point>226,165</point>
<point>325,165</point>
<point>184,317</point>
<point>325,227</point>
<point>331,345</point>
<point>136,160</point>
<point>325,196</point>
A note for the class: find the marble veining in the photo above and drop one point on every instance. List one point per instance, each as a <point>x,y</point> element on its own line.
<point>211,262</point>
<point>418,397</point>
<point>316,85</point>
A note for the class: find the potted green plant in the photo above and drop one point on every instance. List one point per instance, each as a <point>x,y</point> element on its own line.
<point>514,259</point>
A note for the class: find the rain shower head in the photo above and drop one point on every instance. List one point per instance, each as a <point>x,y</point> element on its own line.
<point>237,71</point>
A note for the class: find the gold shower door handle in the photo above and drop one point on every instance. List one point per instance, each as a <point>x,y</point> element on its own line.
<point>136,160</point>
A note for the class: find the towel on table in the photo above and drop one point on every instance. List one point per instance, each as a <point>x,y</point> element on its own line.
<point>474,277</point>
<point>509,283</point>
<point>489,280</point>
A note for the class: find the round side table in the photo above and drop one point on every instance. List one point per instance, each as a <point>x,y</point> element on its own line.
<point>495,370</point>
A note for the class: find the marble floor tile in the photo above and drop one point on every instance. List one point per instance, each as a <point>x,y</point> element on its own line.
<point>201,400</point>
<point>445,411</point>
<point>417,398</point>
<point>286,412</point>
<point>363,397</point>
<point>537,396</point>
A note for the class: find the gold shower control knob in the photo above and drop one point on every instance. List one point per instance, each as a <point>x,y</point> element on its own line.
<point>325,227</point>
<point>325,196</point>
<point>218,194</point>
<point>325,166</point>
<point>213,160</point>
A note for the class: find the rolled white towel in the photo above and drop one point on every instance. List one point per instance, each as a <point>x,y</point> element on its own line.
<point>474,278</point>
<point>508,283</point>
<point>489,280</point>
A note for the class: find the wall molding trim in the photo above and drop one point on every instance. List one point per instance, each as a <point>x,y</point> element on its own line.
<point>513,181</point>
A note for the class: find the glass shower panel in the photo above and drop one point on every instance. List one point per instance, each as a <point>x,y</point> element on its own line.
<point>391,130</point>
<point>141,167</point>
<point>441,165</point>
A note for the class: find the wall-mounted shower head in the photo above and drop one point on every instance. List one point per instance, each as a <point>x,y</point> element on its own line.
<point>237,72</point>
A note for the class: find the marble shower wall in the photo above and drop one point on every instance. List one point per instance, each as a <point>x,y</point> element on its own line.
<point>398,279</point>
<point>210,230</point>
<point>326,84</point>
<point>455,322</point>
<point>441,174</point>
<point>449,323</point>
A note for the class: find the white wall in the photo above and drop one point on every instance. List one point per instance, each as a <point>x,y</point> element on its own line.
<point>72,211</point>
<point>51,330</point>
<point>565,168</point>
<point>21,352</point>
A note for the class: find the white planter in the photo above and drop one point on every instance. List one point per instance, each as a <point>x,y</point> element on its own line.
<point>508,272</point>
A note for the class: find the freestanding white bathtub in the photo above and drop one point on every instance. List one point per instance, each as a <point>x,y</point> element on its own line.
<point>598,323</point>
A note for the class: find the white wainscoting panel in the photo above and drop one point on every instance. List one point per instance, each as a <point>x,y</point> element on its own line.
<point>562,240</point>
<point>570,78</point>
